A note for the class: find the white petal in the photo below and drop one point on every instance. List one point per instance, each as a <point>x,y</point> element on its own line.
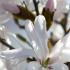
<point>61,6</point>
<point>22,66</point>
<point>67,41</point>
<point>34,66</point>
<point>40,27</point>
<point>4,35</point>
<point>16,53</point>
<point>56,49</point>
<point>35,40</point>
<point>59,47</point>
<point>59,66</point>
<point>15,66</point>
<point>2,65</point>
<point>8,65</point>
<point>57,32</point>
<point>65,55</point>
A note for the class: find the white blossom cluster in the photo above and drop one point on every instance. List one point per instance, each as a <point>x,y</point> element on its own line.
<point>47,27</point>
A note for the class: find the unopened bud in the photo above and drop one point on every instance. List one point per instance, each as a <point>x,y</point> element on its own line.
<point>51,5</point>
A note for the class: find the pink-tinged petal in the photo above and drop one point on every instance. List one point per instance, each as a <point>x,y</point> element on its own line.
<point>12,8</point>
<point>51,5</point>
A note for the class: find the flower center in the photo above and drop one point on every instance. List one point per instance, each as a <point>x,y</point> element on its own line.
<point>45,63</point>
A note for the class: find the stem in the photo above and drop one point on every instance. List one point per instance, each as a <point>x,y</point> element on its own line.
<point>36,6</point>
<point>17,23</point>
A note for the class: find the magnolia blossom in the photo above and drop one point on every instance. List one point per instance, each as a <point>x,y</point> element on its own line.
<point>45,59</point>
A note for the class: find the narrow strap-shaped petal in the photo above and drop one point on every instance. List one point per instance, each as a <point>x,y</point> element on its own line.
<point>56,50</point>
<point>65,53</point>
<point>15,57</point>
<point>59,47</point>
<point>34,39</point>
<point>34,66</point>
<point>40,27</point>
<point>2,65</point>
<point>16,53</point>
<point>58,66</point>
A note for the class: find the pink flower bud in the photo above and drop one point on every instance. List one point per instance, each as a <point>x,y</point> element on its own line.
<point>12,8</point>
<point>51,5</point>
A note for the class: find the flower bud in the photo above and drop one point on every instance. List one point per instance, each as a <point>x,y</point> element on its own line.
<point>51,5</point>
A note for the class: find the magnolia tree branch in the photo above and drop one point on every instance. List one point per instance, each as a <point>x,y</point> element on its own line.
<point>36,6</point>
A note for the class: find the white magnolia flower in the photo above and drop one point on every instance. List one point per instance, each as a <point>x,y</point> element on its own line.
<point>45,59</point>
